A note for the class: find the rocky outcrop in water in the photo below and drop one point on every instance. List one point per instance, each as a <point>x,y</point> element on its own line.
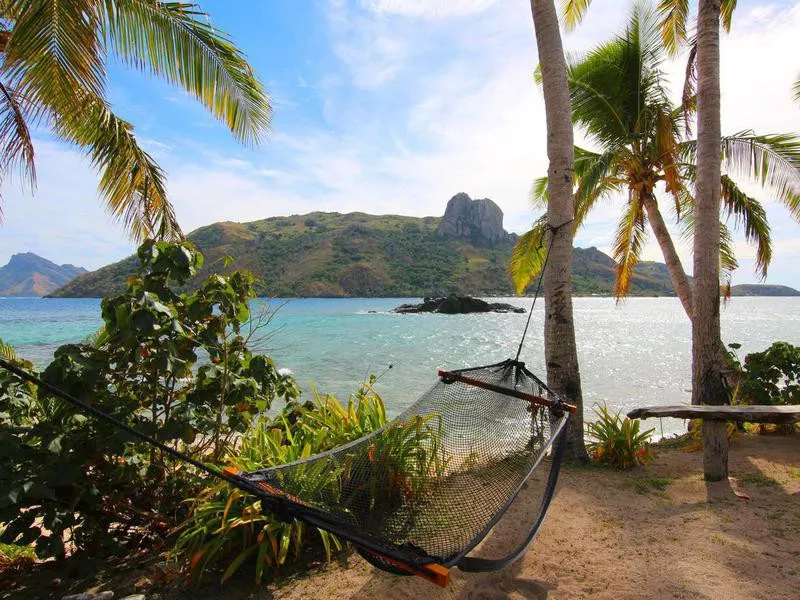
<point>477,221</point>
<point>452,305</point>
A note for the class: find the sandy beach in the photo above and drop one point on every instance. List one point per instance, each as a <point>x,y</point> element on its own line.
<point>653,532</point>
<point>619,535</point>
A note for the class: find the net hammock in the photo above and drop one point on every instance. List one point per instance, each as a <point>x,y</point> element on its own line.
<point>427,487</point>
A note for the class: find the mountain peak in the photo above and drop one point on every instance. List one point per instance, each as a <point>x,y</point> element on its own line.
<point>28,274</point>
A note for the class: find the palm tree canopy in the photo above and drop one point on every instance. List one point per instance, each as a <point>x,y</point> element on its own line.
<point>53,72</point>
<point>673,23</point>
<point>619,100</point>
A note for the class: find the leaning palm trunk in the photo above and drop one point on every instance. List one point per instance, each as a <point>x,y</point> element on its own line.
<point>560,351</point>
<point>707,382</point>
<point>679,280</point>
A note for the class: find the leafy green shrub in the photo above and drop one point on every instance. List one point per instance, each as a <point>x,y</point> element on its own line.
<point>616,441</point>
<point>771,376</point>
<point>226,525</point>
<point>66,477</point>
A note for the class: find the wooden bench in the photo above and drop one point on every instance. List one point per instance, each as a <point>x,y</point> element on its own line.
<point>715,438</point>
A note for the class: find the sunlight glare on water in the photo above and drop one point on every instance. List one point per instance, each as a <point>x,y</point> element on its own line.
<point>634,353</point>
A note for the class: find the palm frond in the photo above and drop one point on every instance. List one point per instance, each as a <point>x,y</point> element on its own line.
<point>772,160</point>
<point>747,213</point>
<point>689,95</point>
<point>727,255</point>
<point>796,90</point>
<point>54,51</point>
<point>628,244</point>
<point>595,108</point>
<point>539,194</point>
<point>666,141</point>
<point>174,40</point>
<point>528,257</point>
<point>16,146</point>
<point>596,176</point>
<point>611,86</point>
<point>674,16</point>
<point>727,258</point>
<point>751,216</point>
<point>726,13</point>
<point>132,185</point>
<point>644,30</point>
<point>574,11</point>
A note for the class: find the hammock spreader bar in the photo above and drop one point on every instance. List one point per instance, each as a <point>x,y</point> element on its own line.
<point>403,553</point>
<point>450,376</point>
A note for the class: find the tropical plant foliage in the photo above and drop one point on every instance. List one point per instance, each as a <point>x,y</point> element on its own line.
<point>769,377</point>
<point>66,477</point>
<point>53,73</point>
<point>227,526</point>
<point>616,441</point>
<point>620,100</point>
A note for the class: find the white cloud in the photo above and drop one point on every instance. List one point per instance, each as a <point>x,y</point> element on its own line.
<point>428,9</point>
<point>62,220</point>
<point>368,46</point>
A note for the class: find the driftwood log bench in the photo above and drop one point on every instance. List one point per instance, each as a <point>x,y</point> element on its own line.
<point>715,438</point>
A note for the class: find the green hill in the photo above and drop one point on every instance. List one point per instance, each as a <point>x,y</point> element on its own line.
<point>761,289</point>
<point>355,254</point>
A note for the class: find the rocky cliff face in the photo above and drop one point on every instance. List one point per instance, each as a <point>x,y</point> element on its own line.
<point>477,221</point>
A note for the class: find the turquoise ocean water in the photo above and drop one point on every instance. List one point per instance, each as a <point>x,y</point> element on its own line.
<point>631,354</point>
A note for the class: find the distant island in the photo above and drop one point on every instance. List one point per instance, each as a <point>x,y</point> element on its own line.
<point>757,289</point>
<point>28,274</point>
<point>465,252</point>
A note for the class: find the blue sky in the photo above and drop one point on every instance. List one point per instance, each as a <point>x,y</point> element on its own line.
<point>385,106</point>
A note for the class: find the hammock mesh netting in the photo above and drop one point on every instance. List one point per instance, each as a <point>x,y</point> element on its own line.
<point>440,475</point>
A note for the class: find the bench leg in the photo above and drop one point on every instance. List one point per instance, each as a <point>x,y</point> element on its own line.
<point>715,450</point>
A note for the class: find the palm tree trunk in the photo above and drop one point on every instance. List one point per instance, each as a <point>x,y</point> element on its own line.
<point>679,280</point>
<point>561,353</point>
<point>707,381</point>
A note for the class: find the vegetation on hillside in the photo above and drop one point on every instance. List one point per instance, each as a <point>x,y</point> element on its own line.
<point>355,254</point>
